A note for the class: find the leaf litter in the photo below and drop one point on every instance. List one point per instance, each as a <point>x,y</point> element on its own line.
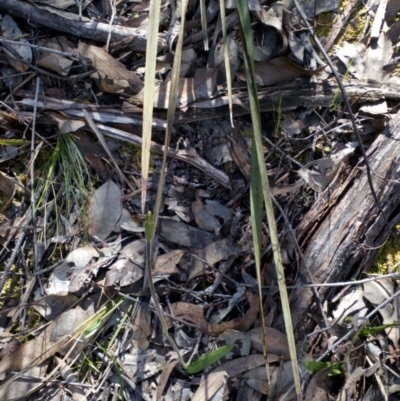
<point>204,229</point>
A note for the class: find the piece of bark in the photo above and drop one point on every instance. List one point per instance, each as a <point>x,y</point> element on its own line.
<point>92,30</point>
<point>343,230</point>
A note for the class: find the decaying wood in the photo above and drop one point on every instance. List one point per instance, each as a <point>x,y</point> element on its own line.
<point>341,232</point>
<point>89,29</point>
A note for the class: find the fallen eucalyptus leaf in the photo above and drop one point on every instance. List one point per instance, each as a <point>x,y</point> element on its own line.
<point>105,210</point>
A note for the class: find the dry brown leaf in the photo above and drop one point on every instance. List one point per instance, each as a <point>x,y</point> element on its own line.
<point>127,223</point>
<point>8,344</point>
<point>241,339</point>
<point>123,272</point>
<point>172,361</point>
<point>281,379</point>
<point>141,329</point>
<point>166,264</point>
<point>8,187</point>
<point>67,323</point>
<point>259,385</point>
<point>207,389</point>
<point>278,70</point>
<point>185,235</point>
<point>273,17</point>
<point>378,54</point>
<point>18,388</point>
<point>29,354</point>
<point>62,276</point>
<point>93,152</point>
<point>216,57</point>
<point>319,387</point>
<point>10,30</point>
<point>277,341</point>
<point>195,314</point>
<point>240,154</point>
<point>52,306</point>
<point>112,75</point>
<point>212,254</point>
<point>212,382</point>
<point>376,108</point>
<point>204,219</point>
<point>105,210</point>
<point>319,180</point>
<point>52,61</point>
<point>67,124</point>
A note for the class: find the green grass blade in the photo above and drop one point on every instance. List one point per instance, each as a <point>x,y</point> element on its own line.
<point>207,360</point>
<point>256,208</point>
<point>149,87</point>
<point>248,55</point>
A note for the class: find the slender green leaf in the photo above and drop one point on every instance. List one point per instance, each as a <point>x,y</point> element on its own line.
<point>315,366</point>
<point>248,55</point>
<point>207,360</point>
<point>335,369</point>
<point>13,142</point>
<point>149,226</point>
<point>371,331</point>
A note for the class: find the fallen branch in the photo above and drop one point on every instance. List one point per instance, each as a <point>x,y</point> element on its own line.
<point>343,230</point>
<point>86,28</point>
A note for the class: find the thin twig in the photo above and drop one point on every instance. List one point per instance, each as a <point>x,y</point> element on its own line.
<point>46,49</point>
<point>32,174</point>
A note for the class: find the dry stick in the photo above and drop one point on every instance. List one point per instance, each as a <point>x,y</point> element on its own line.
<point>46,49</point>
<point>89,29</point>
<point>32,174</point>
<point>351,115</point>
